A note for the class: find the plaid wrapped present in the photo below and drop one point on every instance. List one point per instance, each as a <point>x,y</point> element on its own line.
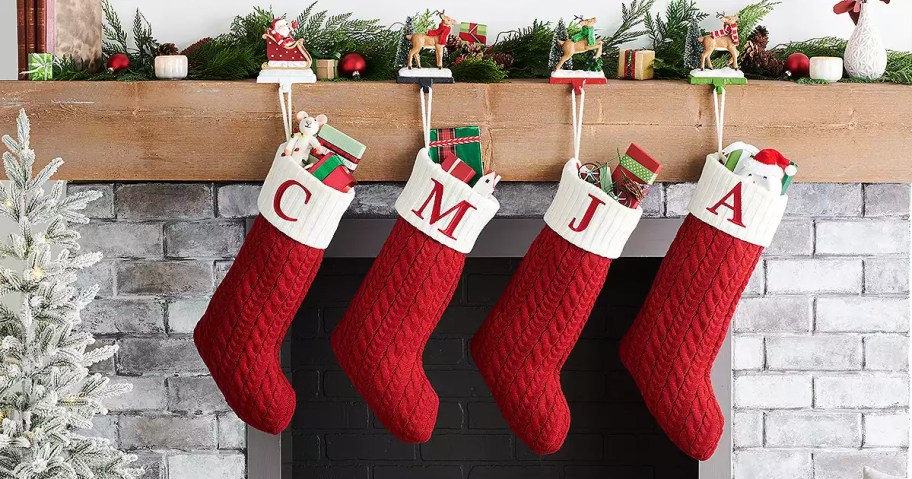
<point>40,66</point>
<point>473,33</point>
<point>636,171</point>
<point>448,144</point>
<point>349,150</point>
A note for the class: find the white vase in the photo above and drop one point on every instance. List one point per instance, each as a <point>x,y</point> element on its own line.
<point>865,55</point>
<point>171,67</point>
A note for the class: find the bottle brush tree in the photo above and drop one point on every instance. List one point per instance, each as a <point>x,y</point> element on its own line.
<point>560,35</point>
<point>48,397</point>
<point>693,47</point>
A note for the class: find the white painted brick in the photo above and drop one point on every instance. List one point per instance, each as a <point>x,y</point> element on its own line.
<point>148,394</point>
<point>824,199</point>
<point>813,429</point>
<point>863,237</point>
<point>104,427</point>
<point>773,464</point>
<point>768,391</point>
<point>822,353</point>
<point>863,390</point>
<point>774,314</point>
<point>887,352</point>
<point>886,276</point>
<point>747,429</point>
<point>813,276</point>
<point>196,466</point>
<point>886,430</point>
<point>747,352</point>
<point>677,197</point>
<point>757,283</point>
<point>184,314</point>
<point>793,238</point>
<point>849,464</point>
<point>886,199</point>
<point>858,314</point>
<point>232,432</point>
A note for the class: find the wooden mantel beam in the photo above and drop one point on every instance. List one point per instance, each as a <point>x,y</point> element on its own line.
<point>228,131</point>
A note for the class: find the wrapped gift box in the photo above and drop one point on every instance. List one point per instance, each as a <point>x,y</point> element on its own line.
<point>636,64</point>
<point>636,171</point>
<point>326,69</point>
<point>473,33</point>
<point>458,169</point>
<point>347,148</point>
<point>330,170</point>
<point>40,66</point>
<point>448,144</point>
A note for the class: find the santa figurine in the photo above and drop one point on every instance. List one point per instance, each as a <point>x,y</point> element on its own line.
<point>768,168</point>
<point>280,30</point>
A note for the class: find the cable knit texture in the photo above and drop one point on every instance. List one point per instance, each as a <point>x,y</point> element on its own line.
<point>525,341</point>
<point>240,335</point>
<point>671,346</point>
<point>381,339</point>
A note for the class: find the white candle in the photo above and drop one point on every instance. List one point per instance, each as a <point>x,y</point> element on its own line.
<point>826,68</point>
<point>171,67</point>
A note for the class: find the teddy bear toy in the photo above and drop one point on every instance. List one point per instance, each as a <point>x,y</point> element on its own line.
<point>767,168</point>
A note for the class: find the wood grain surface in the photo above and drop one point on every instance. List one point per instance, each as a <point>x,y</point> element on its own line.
<point>228,131</point>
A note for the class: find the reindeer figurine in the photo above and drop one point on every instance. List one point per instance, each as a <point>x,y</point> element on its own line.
<point>581,42</point>
<point>436,39</point>
<point>725,39</point>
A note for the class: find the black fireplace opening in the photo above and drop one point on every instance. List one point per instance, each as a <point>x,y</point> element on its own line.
<point>334,435</point>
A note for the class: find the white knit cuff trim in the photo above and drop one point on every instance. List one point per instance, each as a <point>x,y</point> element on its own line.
<point>587,217</point>
<point>301,206</point>
<point>443,207</point>
<point>740,208</point>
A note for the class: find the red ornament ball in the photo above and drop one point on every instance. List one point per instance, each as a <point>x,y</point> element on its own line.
<point>352,65</point>
<point>118,62</point>
<point>798,65</point>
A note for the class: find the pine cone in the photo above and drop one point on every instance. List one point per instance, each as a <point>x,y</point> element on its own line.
<point>759,37</point>
<point>189,51</point>
<point>168,49</point>
<point>505,60</point>
<point>453,44</point>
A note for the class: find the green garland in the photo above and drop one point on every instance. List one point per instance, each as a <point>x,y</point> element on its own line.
<point>522,53</point>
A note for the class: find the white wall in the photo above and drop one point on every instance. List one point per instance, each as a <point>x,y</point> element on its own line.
<point>183,21</point>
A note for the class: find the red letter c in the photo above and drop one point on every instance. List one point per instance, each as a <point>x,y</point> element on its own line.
<point>280,192</point>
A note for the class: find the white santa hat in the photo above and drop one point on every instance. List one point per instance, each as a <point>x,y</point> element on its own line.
<point>772,157</point>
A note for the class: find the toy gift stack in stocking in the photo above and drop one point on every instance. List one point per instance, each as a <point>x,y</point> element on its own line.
<point>240,335</point>
<point>671,346</point>
<point>380,340</point>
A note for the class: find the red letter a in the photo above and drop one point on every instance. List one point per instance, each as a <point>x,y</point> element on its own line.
<point>587,217</point>
<point>735,206</point>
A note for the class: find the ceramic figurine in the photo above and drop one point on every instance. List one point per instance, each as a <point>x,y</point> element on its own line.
<point>435,39</point>
<point>287,58</point>
<point>564,67</point>
<point>725,39</point>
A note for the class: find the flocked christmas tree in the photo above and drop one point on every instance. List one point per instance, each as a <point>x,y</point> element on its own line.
<point>560,35</point>
<point>47,395</point>
<point>693,47</point>
<point>405,45</point>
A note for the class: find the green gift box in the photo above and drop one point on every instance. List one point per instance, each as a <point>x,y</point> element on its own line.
<point>40,66</point>
<point>350,150</point>
<point>463,143</point>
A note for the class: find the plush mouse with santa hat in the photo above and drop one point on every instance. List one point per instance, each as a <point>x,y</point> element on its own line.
<point>767,168</point>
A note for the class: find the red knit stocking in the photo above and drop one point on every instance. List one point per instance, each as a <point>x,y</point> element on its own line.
<point>524,343</point>
<point>672,344</point>
<point>240,335</point>
<point>382,336</point>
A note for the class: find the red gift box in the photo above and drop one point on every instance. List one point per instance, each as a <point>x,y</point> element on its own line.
<point>635,168</point>
<point>458,168</point>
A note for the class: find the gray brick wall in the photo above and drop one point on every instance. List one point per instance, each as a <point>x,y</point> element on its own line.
<point>821,381</point>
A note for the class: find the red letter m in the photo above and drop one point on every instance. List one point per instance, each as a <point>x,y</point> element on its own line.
<point>436,195</point>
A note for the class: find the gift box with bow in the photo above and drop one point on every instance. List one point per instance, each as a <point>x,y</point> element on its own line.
<point>473,33</point>
<point>40,66</point>
<point>464,143</point>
